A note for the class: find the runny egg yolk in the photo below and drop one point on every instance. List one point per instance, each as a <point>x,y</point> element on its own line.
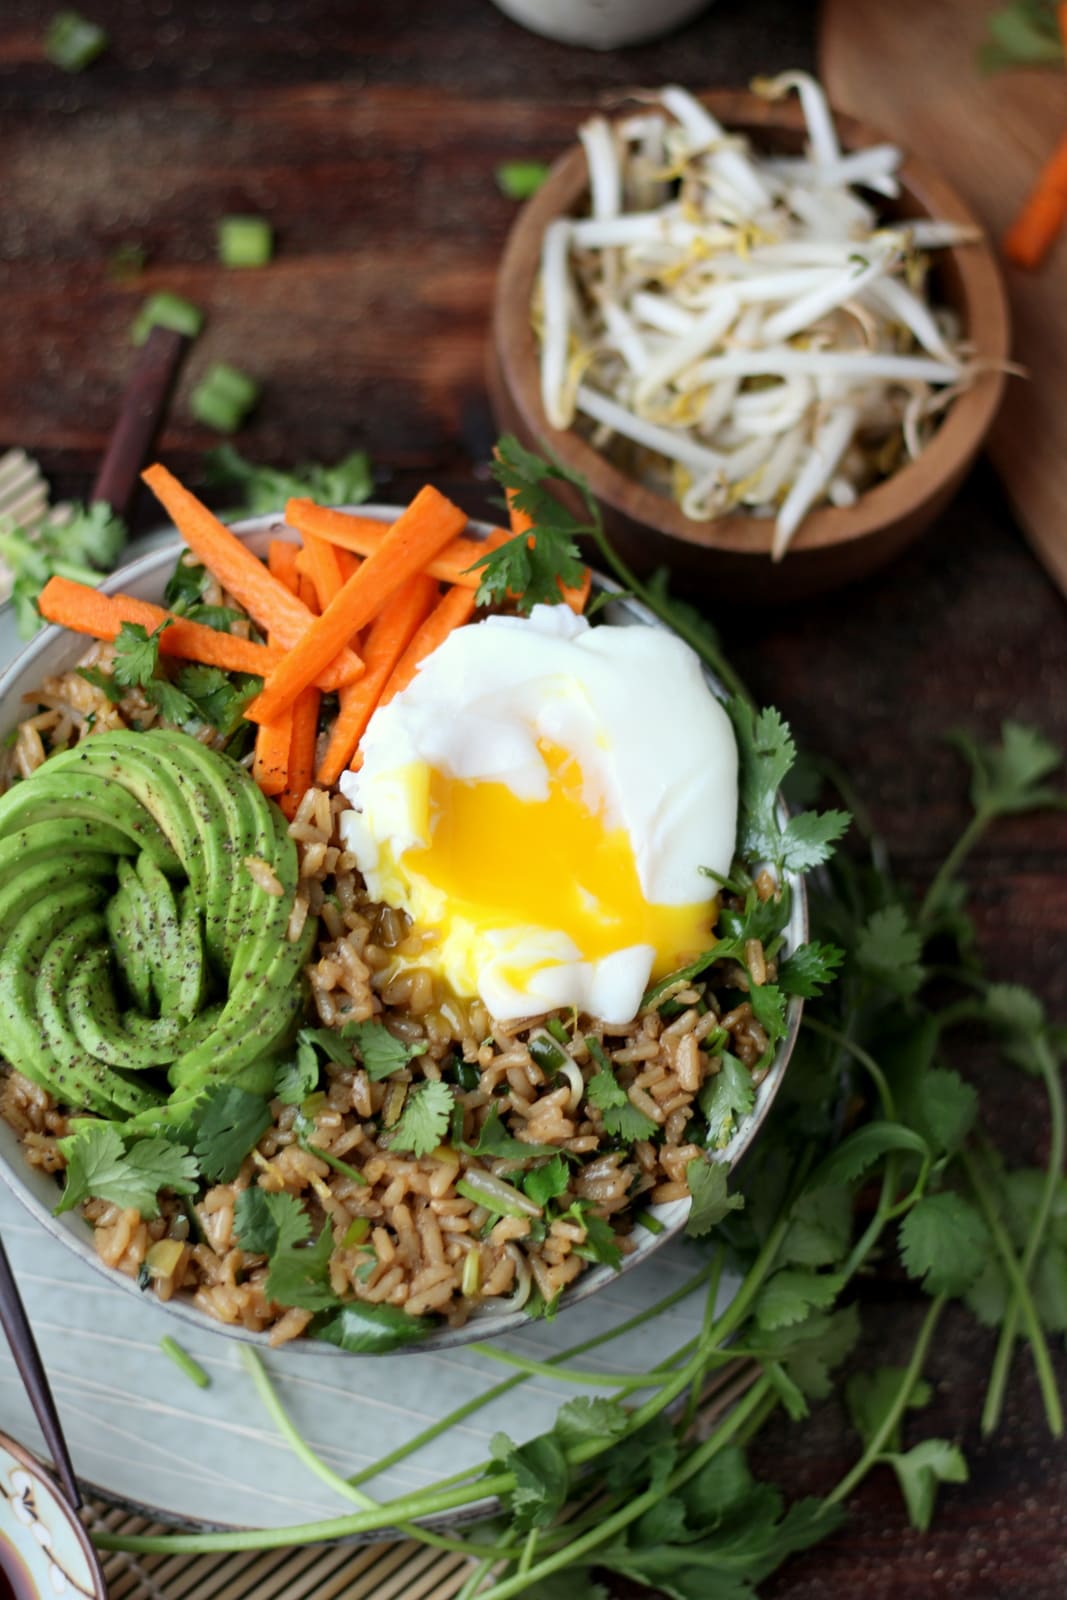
<point>505,862</point>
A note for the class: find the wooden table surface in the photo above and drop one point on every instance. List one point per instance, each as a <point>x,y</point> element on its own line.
<point>368,135</point>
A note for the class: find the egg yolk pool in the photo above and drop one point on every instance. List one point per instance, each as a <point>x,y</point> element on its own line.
<point>521,802</point>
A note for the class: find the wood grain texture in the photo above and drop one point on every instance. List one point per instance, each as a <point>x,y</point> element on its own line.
<point>368,135</point>
<point>911,68</point>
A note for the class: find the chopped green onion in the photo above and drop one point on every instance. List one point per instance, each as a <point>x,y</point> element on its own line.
<point>599,1054</point>
<point>472,1272</point>
<point>358,1230</point>
<point>184,1361</point>
<point>484,1189</point>
<point>245,242</point>
<point>558,1030</point>
<point>72,42</point>
<point>224,398</point>
<point>520,179</point>
<point>338,1166</point>
<point>649,1222</point>
<point>126,262</point>
<point>167,311</point>
<point>546,1053</point>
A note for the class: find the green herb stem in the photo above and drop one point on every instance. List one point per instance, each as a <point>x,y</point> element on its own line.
<point>884,1432</point>
<point>184,1362</point>
<point>864,1057</point>
<point>1021,1305</point>
<point>952,863</point>
<point>469,1407</point>
<point>606,1529</point>
<point>624,1382</point>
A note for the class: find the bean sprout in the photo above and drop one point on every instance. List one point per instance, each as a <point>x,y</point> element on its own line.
<point>739,330</point>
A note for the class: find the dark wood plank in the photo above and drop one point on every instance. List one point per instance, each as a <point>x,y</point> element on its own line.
<point>368,135</point>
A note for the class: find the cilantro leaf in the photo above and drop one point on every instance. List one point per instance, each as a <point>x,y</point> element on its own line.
<point>589,1417</point>
<point>547,1182</point>
<point>296,1079</point>
<point>726,1099</point>
<point>532,566</point>
<point>265,489</point>
<point>810,969</point>
<point>299,1274</point>
<point>218,697</point>
<point>1022,34</point>
<point>229,1121</point>
<point>136,654</point>
<point>871,1395</point>
<point>265,1223</point>
<point>380,1052</point>
<point>423,1123</point>
<point>495,1140</point>
<point>920,1470</point>
<point>860,1150</point>
<point>809,838</point>
<point>888,950</point>
<point>599,1236</point>
<point>368,1330</point>
<point>820,1228</point>
<point>789,1295</point>
<point>171,703</point>
<point>100,1165</point>
<point>811,1350</point>
<point>1009,777</point>
<point>621,1118</point>
<point>766,751</point>
<point>944,1241</point>
<point>542,1478</point>
<point>277,1226</point>
<point>707,1182</point>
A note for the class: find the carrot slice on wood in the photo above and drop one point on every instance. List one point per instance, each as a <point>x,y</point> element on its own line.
<point>305,722</point>
<point>521,522</point>
<point>449,613</point>
<point>1044,213</point>
<point>429,522</point>
<point>347,531</point>
<point>267,601</point>
<point>386,640</point>
<point>83,609</point>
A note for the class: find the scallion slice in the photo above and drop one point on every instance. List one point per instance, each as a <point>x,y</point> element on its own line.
<point>245,241</point>
<point>72,42</point>
<point>224,398</point>
<point>167,311</point>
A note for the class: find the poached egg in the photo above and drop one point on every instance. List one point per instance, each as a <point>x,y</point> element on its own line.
<point>543,800</point>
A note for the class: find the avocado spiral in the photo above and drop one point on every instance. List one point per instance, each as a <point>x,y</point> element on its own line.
<point>140,958</point>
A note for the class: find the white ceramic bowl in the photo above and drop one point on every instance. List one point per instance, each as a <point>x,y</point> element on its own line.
<point>55,650</point>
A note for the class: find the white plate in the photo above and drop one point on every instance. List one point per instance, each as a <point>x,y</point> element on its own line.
<point>141,1433</point>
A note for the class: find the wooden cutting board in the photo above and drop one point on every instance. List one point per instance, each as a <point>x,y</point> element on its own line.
<point>909,68</point>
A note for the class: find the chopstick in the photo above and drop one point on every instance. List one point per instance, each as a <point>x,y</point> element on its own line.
<point>144,405</point>
<point>16,1325</point>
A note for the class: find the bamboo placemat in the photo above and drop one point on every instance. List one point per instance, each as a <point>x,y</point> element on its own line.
<point>401,1571</point>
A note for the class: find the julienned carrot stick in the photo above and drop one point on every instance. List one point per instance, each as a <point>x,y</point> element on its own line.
<point>347,531</point>
<point>1034,231</point>
<point>522,522</point>
<point>429,522</point>
<point>270,763</point>
<point>449,613</point>
<point>282,557</point>
<point>323,569</point>
<point>347,561</point>
<point>267,601</point>
<point>305,721</point>
<point>384,644</point>
<point>85,610</point>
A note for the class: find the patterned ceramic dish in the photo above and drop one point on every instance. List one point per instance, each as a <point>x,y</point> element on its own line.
<point>44,1550</point>
<point>55,650</point>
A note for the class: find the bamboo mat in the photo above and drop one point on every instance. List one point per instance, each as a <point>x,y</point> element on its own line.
<point>403,1571</point>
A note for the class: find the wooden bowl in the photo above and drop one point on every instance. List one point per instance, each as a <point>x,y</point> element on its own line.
<point>732,553</point>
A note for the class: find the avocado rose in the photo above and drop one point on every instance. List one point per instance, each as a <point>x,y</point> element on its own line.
<point>146,890</point>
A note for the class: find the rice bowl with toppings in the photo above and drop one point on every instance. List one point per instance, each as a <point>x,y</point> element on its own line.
<point>424,1171</point>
